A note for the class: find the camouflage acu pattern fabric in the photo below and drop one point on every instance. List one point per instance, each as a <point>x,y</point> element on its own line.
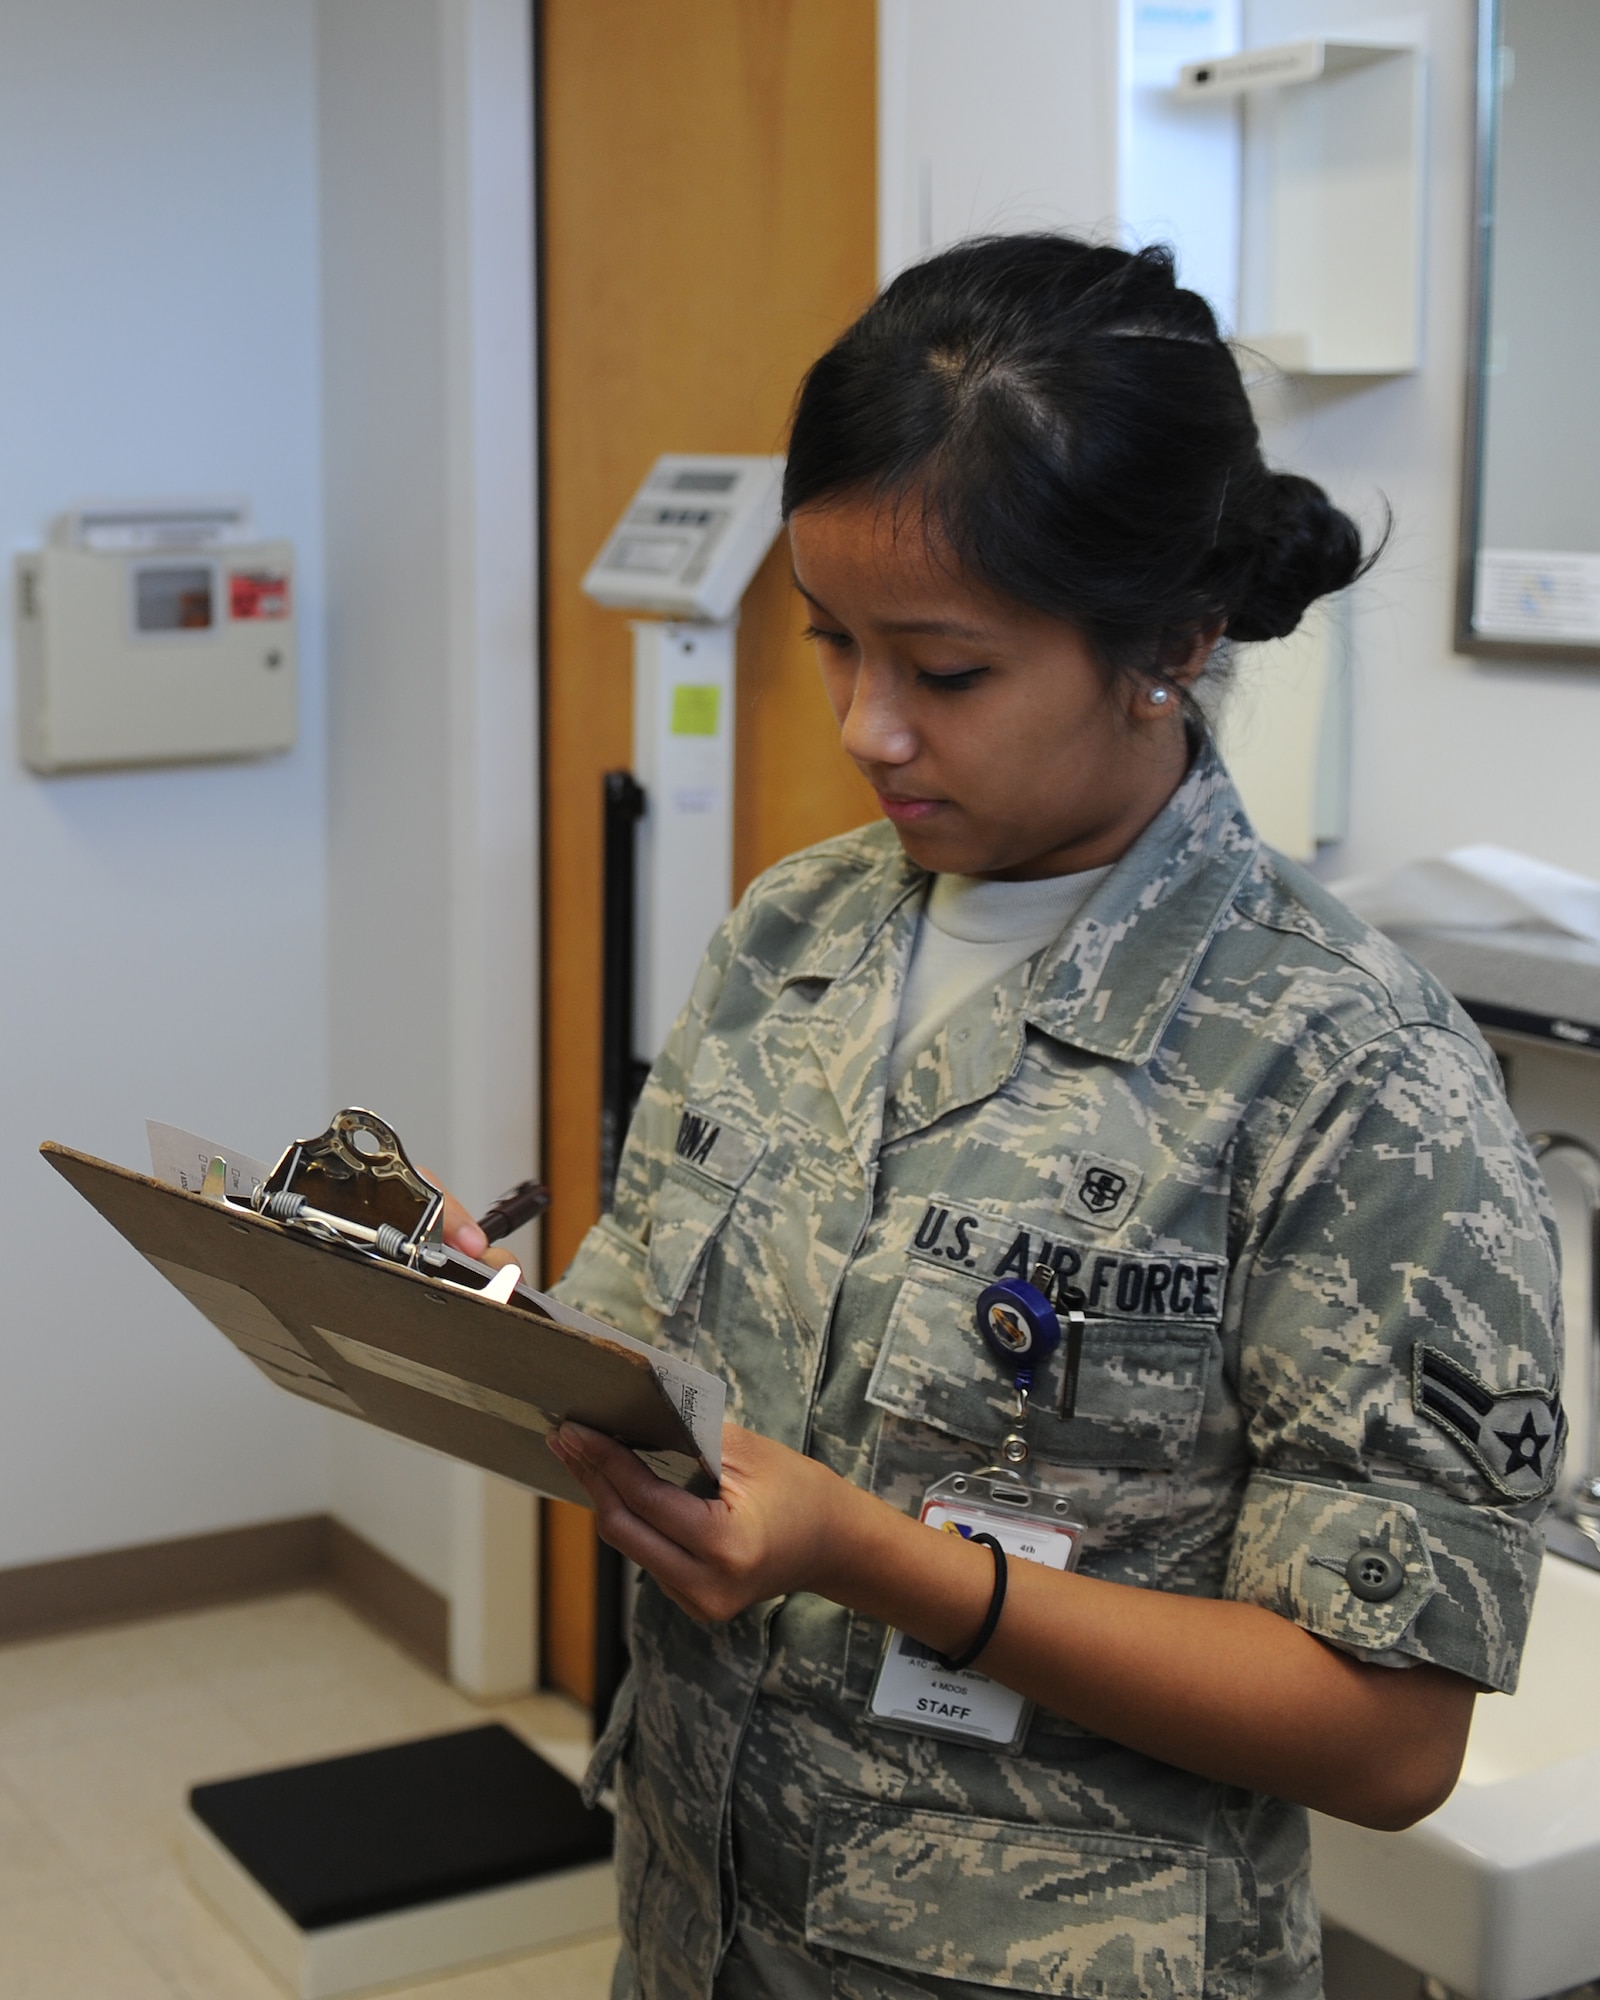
<point>1272,1159</point>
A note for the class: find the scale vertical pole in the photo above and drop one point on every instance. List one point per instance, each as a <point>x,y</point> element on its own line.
<point>621,1077</point>
<point>683,735</point>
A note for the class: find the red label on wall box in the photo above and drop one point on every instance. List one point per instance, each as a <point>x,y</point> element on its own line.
<point>258,593</point>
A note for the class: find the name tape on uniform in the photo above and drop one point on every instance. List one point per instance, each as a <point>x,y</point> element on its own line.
<point>714,1147</point>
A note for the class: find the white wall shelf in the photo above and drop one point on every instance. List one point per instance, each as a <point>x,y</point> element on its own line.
<point>1332,201</point>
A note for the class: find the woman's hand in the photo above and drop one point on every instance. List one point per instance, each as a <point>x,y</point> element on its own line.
<point>463,1234</point>
<point>773,1528</point>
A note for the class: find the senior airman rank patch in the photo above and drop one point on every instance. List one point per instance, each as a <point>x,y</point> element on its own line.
<point>1514,1438</point>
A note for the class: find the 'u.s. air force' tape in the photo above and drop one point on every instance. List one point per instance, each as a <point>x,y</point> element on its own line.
<point>1513,1437</point>
<point>1111,1284</point>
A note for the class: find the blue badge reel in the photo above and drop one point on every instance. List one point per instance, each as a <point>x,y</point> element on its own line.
<point>1019,1327</point>
<point>1022,1328</point>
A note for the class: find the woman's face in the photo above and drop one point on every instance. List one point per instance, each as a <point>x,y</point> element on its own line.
<point>995,740</point>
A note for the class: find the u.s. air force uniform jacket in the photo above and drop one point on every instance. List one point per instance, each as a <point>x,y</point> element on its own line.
<point>1320,1374</point>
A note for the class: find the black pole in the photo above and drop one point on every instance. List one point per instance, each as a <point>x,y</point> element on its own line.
<point>621,1079</point>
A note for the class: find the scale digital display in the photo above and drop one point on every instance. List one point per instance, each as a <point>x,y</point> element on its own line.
<point>704,482</point>
<point>691,538</point>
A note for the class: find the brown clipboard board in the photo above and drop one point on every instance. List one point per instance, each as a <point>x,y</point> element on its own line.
<point>468,1376</point>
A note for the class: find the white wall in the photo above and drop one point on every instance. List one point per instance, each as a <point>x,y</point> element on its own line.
<point>162,949</point>
<point>972,135</point>
<point>1044,114</point>
<point>428,290</point>
<point>1446,750</point>
<point>239,949</point>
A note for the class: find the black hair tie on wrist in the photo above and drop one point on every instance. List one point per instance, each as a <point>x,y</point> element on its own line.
<point>991,1617</point>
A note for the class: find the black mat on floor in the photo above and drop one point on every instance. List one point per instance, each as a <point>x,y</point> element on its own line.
<point>392,1829</point>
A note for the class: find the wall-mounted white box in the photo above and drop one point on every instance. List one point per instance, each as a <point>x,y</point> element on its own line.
<point>1332,201</point>
<point>153,636</point>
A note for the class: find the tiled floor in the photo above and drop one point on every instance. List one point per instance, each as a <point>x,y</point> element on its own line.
<point>102,1733</point>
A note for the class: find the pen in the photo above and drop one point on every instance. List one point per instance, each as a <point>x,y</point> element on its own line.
<point>515,1207</point>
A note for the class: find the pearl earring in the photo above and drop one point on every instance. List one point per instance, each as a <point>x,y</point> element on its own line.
<point>1158,697</point>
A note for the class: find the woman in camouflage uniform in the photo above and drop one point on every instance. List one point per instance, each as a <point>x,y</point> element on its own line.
<point>1317,1411</point>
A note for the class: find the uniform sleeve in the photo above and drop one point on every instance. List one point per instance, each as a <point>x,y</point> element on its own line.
<point>607,1277</point>
<point>1398,1323</point>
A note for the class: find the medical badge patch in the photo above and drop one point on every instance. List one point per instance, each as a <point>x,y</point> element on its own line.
<point>1102,1190</point>
<point>1513,1438</point>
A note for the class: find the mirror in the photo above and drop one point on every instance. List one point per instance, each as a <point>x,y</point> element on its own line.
<point>1529,585</point>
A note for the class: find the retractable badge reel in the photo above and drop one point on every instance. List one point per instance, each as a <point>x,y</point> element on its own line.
<point>916,1687</point>
<point>1022,1329</point>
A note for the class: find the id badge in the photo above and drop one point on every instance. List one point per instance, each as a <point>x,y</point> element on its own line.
<point>913,1690</point>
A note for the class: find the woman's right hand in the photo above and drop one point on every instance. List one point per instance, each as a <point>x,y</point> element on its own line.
<point>463,1234</point>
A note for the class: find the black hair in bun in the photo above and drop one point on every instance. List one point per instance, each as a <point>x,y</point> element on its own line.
<point>1304,548</point>
<point>1077,431</point>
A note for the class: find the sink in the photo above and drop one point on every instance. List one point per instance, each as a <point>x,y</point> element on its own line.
<point>1497,1894</point>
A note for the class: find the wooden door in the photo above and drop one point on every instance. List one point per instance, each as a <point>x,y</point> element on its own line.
<point>708,190</point>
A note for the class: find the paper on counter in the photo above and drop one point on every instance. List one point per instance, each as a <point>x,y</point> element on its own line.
<point>1478,888</point>
<point>180,1159</point>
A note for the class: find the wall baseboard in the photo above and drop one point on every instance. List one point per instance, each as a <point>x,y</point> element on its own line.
<point>390,1596</point>
<point>116,1585</point>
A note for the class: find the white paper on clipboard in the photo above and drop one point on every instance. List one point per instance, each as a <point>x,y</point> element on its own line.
<point>181,1158</point>
<point>700,1399</point>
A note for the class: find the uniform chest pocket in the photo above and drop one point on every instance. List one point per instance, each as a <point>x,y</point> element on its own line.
<point>1141,1385</point>
<point>688,1214</point>
<point>714,1159</point>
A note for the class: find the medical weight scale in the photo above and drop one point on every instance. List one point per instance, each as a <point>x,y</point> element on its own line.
<point>685,550</point>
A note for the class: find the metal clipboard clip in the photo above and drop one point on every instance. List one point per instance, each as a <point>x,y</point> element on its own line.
<point>353,1184</point>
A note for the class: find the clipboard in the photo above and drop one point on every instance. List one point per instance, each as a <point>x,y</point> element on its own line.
<point>478,1377</point>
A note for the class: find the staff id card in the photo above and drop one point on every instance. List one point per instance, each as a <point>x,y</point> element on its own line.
<point>914,1689</point>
